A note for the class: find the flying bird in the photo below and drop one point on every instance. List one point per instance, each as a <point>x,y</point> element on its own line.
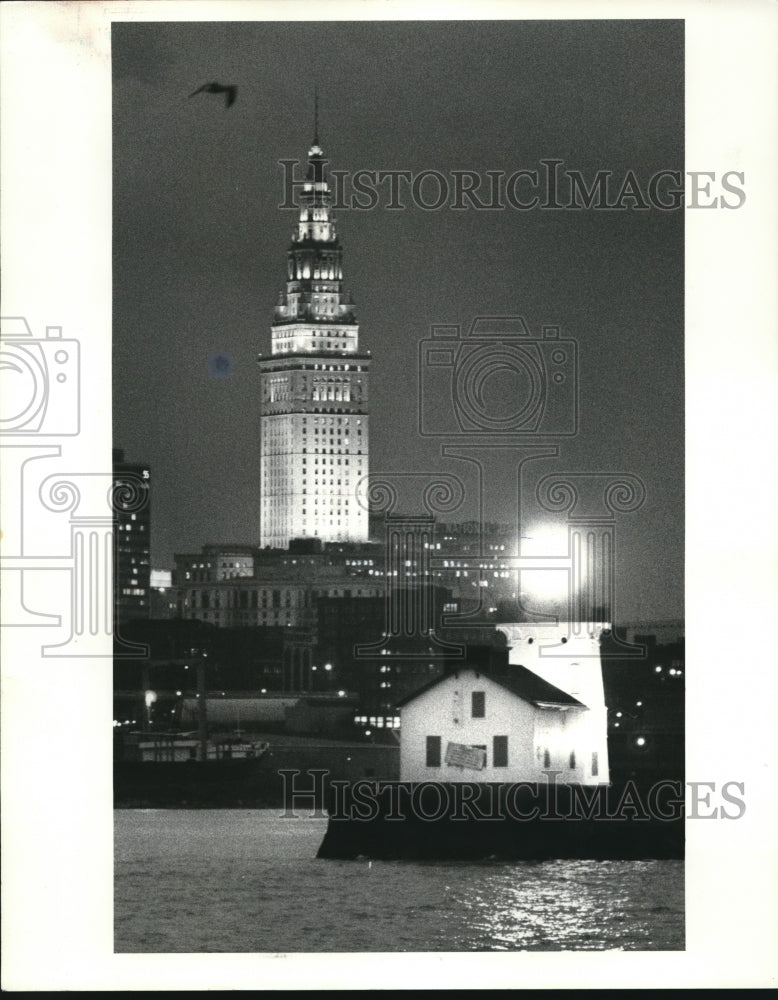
<point>230,91</point>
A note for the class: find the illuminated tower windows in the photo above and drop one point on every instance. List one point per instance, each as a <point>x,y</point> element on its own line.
<point>314,375</point>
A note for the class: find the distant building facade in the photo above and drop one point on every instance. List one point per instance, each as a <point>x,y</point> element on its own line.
<point>132,538</point>
<point>231,586</point>
<point>276,600</point>
<point>162,599</point>
<point>353,642</point>
<point>215,563</point>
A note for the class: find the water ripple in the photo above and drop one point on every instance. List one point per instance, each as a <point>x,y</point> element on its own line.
<point>249,881</point>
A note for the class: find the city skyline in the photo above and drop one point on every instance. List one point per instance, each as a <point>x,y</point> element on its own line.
<point>199,240</point>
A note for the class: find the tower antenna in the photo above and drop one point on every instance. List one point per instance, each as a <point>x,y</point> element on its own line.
<point>316,116</point>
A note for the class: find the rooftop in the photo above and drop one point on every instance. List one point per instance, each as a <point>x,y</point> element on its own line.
<point>519,681</point>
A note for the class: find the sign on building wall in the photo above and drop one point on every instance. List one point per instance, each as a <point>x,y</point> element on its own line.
<point>460,755</point>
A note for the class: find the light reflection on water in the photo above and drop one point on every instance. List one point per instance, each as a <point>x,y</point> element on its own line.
<point>249,881</point>
<point>581,905</point>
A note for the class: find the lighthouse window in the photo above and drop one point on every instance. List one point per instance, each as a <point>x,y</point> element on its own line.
<point>433,751</point>
<point>595,764</point>
<point>500,751</point>
<point>478,704</point>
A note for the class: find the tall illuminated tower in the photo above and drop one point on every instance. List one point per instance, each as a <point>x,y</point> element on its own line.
<point>314,386</point>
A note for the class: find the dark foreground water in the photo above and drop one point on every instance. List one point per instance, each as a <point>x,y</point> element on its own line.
<point>249,881</point>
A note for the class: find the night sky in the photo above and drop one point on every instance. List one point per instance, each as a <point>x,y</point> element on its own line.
<point>200,243</point>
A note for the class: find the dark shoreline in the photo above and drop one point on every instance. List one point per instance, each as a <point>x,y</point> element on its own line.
<point>523,821</point>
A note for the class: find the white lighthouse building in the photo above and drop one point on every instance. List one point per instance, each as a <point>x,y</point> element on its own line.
<point>314,387</point>
<point>567,655</point>
<point>545,715</point>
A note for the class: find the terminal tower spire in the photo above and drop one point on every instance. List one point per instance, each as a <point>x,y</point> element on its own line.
<point>314,386</point>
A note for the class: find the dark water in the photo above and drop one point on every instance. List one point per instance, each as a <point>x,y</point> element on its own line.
<point>249,881</point>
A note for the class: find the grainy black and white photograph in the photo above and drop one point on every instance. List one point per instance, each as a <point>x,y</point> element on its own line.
<point>379,390</point>
<point>398,413</point>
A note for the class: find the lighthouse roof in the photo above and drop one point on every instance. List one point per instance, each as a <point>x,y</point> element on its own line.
<point>521,681</point>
